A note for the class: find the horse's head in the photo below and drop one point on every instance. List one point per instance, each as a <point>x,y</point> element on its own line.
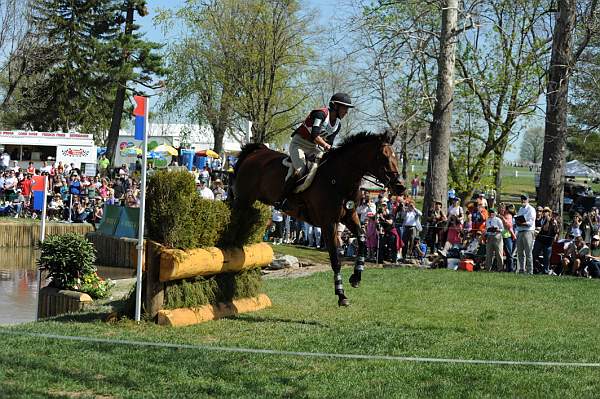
<point>386,166</point>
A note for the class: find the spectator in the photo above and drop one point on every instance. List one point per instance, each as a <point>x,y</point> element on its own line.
<point>277,218</point>
<point>103,164</point>
<point>204,191</point>
<point>435,223</point>
<point>575,253</point>
<point>26,187</point>
<point>543,241</point>
<point>456,210</point>
<point>31,168</point>
<point>75,185</point>
<point>4,161</point>
<point>478,217</point>
<point>592,260</point>
<point>218,191</point>
<point>414,184</point>
<point>494,244</point>
<point>411,226</point>
<point>506,214</point>
<point>481,200</point>
<point>525,221</point>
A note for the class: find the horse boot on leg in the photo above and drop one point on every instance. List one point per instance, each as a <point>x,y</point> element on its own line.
<point>359,265</point>
<point>339,290</point>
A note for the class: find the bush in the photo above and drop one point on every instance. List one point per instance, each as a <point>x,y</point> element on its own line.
<point>178,218</point>
<point>69,260</point>
<point>224,287</point>
<point>247,225</point>
<point>170,196</point>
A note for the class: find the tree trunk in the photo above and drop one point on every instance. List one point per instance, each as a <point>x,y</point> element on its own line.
<point>555,137</point>
<point>498,158</point>
<point>436,185</point>
<point>117,114</point>
<point>404,154</point>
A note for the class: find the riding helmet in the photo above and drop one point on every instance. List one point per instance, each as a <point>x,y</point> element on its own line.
<point>342,99</point>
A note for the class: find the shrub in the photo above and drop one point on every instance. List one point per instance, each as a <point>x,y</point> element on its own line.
<point>69,260</point>
<point>177,217</point>
<point>224,287</point>
<point>247,225</point>
<point>169,199</point>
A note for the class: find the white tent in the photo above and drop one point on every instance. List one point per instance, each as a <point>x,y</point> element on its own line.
<point>575,168</point>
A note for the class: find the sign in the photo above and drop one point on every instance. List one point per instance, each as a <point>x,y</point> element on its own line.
<point>110,219</point>
<point>128,223</point>
<point>75,154</point>
<point>59,135</point>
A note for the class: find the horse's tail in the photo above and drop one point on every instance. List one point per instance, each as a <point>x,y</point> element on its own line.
<point>247,149</point>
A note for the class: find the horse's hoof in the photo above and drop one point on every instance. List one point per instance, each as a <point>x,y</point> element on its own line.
<point>354,281</point>
<point>343,302</point>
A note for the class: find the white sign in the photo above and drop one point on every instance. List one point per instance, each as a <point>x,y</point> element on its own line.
<point>69,154</point>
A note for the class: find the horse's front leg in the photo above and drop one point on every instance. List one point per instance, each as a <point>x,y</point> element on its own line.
<point>329,233</point>
<point>352,222</point>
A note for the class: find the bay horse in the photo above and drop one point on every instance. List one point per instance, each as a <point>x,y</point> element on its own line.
<point>331,198</point>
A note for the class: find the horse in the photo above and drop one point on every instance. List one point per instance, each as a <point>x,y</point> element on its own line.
<point>331,198</point>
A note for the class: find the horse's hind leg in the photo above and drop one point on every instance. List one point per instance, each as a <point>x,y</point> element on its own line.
<point>329,234</point>
<point>353,223</point>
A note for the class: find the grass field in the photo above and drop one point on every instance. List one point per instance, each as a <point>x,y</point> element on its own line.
<point>401,312</point>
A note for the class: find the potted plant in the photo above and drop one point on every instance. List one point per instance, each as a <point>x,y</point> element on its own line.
<point>69,262</point>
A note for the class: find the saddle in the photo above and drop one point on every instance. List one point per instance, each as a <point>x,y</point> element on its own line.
<point>308,173</point>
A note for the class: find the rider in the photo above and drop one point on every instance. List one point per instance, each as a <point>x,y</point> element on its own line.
<point>314,136</point>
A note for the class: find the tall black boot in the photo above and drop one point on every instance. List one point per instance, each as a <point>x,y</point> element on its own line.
<point>288,188</point>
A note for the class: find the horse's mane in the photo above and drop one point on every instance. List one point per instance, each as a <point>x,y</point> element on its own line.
<point>247,149</point>
<point>355,139</point>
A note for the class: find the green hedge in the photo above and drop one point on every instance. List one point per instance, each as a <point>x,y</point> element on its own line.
<point>177,217</point>
<point>224,287</point>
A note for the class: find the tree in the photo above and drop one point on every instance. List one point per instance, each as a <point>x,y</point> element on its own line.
<point>394,76</point>
<point>502,67</point>
<point>136,64</point>
<point>69,91</point>
<point>561,63</point>
<point>436,185</point>
<point>532,145</point>
<point>255,55</point>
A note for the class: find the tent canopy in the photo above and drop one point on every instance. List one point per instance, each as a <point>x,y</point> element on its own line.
<point>575,168</point>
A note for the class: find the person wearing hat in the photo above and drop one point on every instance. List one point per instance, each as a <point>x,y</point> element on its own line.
<point>525,221</point>
<point>548,233</point>
<point>493,241</point>
<point>455,209</point>
<point>314,136</point>
<point>481,200</point>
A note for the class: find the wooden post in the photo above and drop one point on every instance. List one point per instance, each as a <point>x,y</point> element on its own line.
<point>155,290</point>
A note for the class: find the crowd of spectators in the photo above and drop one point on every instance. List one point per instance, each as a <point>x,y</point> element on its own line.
<point>76,197</point>
<point>526,240</point>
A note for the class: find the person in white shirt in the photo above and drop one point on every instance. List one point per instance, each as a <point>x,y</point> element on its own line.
<point>525,221</point>
<point>205,192</point>
<point>45,167</point>
<point>456,210</point>
<point>411,224</point>
<point>4,161</point>
<point>494,242</point>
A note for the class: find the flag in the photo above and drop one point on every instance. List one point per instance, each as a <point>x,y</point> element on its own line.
<point>38,189</point>
<point>140,116</point>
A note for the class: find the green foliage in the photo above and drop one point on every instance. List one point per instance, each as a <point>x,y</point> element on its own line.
<point>234,53</point>
<point>212,290</point>
<point>247,225</point>
<point>178,218</point>
<point>69,261</point>
<point>532,145</point>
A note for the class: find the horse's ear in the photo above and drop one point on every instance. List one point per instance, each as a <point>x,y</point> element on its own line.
<point>390,136</point>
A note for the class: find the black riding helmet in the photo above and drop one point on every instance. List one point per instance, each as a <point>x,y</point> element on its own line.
<point>342,99</point>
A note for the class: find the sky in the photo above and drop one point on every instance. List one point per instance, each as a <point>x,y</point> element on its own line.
<point>327,11</point>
